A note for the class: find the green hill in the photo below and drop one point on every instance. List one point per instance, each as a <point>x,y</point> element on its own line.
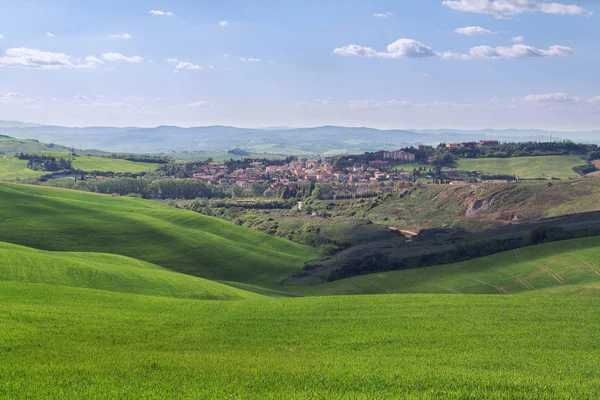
<point>10,145</point>
<point>552,266</point>
<point>73,343</point>
<point>107,272</point>
<point>86,163</point>
<point>183,241</point>
<point>547,167</point>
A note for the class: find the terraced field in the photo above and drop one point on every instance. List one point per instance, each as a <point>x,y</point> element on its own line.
<point>183,241</point>
<point>553,266</point>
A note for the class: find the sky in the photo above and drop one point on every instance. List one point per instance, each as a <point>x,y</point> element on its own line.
<point>390,64</point>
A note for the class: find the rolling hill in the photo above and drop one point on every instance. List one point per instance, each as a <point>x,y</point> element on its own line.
<point>65,342</point>
<point>183,241</point>
<point>480,207</point>
<point>107,272</point>
<point>547,266</point>
<point>545,167</point>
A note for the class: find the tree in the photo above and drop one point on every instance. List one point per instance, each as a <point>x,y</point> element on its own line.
<point>237,191</point>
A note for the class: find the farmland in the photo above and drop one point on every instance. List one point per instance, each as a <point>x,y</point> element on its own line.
<point>551,265</point>
<point>86,163</point>
<point>106,272</point>
<point>62,342</point>
<point>13,169</point>
<point>560,167</point>
<point>64,220</point>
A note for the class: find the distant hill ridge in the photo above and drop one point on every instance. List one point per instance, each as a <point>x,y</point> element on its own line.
<point>277,140</point>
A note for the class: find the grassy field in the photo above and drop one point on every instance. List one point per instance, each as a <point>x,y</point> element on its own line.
<point>86,163</point>
<point>61,342</point>
<point>548,167</point>
<point>10,145</point>
<point>12,169</point>
<point>559,264</point>
<point>107,272</point>
<point>183,241</point>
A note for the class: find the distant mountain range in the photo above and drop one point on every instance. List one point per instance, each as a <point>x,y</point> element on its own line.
<point>275,140</point>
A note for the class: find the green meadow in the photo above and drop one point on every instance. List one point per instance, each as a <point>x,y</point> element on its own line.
<point>554,266</point>
<point>547,167</point>
<point>183,241</point>
<point>63,342</point>
<point>107,272</point>
<point>87,163</point>
<point>13,169</point>
<point>79,323</point>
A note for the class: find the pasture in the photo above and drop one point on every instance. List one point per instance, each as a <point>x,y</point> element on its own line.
<point>12,169</point>
<point>547,167</point>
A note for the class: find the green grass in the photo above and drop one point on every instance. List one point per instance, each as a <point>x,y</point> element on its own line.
<point>13,169</point>
<point>107,272</point>
<point>60,342</point>
<point>86,163</point>
<point>11,145</point>
<point>183,241</point>
<point>548,167</point>
<point>548,266</point>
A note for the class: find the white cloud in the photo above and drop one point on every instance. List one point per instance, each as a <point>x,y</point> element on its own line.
<point>402,48</point>
<point>188,66</point>
<point>223,23</point>
<point>400,104</point>
<point>211,67</point>
<point>249,59</point>
<point>383,15</point>
<point>159,13</point>
<point>226,55</point>
<point>473,30</point>
<point>198,104</point>
<point>81,97</point>
<point>10,97</point>
<point>518,51</point>
<point>518,39</point>
<point>37,59</point>
<point>114,106</point>
<point>110,56</point>
<point>49,34</point>
<point>172,60</point>
<point>312,103</point>
<point>507,8</point>
<point>559,98</point>
<point>125,36</point>
<point>1,36</point>
<point>407,48</point>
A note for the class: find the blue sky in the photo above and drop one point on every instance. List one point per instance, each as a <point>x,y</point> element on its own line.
<point>450,64</point>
